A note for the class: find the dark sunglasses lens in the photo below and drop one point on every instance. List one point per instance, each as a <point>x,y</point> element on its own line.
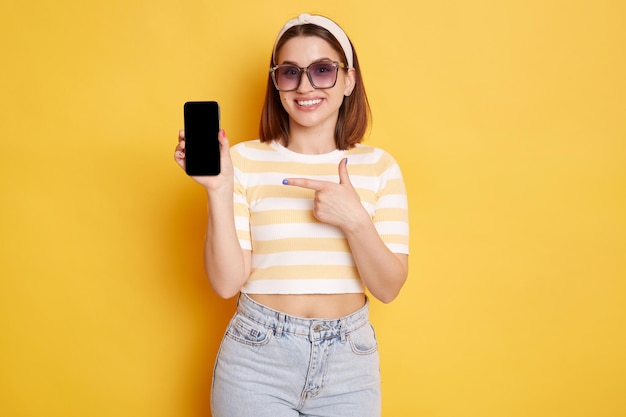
<point>287,77</point>
<point>323,74</point>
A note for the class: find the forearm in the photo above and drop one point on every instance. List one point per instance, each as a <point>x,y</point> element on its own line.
<point>382,271</point>
<point>226,264</point>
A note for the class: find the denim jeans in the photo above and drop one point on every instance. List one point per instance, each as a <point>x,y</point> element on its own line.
<point>274,365</point>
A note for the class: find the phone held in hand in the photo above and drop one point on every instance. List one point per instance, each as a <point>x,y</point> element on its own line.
<point>202,148</point>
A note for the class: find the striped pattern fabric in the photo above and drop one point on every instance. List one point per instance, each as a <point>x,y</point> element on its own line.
<point>292,252</point>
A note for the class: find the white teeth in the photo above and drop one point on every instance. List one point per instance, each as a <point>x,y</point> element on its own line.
<point>309,102</point>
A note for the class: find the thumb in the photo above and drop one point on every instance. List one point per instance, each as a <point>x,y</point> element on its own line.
<point>344,178</point>
<point>223,140</point>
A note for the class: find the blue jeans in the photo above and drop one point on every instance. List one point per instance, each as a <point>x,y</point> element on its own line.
<point>274,365</point>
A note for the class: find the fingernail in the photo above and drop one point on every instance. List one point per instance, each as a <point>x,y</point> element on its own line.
<point>285,182</point>
<point>223,133</point>
<point>346,161</point>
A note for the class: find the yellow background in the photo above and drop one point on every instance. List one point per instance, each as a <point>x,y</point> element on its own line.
<point>506,116</point>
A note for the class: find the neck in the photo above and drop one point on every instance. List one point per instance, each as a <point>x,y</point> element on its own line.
<point>311,141</point>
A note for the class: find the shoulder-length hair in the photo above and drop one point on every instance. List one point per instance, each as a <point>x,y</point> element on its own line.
<point>354,113</point>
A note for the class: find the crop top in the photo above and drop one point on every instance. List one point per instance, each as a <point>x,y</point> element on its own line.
<point>292,252</point>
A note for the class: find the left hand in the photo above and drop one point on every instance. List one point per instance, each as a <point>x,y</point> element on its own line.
<point>334,204</point>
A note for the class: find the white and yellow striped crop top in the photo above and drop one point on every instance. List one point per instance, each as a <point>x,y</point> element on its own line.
<point>292,252</point>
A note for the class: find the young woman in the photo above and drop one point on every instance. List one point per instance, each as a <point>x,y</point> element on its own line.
<point>301,234</point>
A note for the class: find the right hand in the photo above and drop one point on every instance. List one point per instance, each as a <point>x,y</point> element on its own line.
<point>214,182</point>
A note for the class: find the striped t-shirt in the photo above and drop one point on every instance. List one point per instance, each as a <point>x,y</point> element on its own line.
<point>292,252</point>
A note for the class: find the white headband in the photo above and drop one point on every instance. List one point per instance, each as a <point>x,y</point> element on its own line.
<point>323,22</point>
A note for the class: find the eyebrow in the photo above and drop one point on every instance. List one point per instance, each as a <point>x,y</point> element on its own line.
<point>313,62</point>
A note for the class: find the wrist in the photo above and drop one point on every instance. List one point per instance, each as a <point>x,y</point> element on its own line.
<point>357,224</point>
<point>219,190</point>
<point>220,197</point>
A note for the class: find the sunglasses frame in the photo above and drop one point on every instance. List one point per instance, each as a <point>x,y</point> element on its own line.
<point>336,65</point>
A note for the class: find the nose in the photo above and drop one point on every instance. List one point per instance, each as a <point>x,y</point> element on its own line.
<point>305,83</point>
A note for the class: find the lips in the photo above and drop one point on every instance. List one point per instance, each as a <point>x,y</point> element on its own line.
<point>308,103</point>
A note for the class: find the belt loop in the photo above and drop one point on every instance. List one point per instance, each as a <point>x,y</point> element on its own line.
<point>281,324</point>
<point>342,330</point>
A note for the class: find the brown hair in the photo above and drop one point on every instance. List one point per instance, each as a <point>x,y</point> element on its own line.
<point>354,113</point>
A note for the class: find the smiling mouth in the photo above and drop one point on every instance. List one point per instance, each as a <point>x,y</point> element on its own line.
<point>308,103</point>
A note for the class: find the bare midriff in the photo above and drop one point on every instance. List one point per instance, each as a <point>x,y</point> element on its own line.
<point>328,306</point>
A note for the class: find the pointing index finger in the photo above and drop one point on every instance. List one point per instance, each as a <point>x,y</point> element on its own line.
<point>305,183</point>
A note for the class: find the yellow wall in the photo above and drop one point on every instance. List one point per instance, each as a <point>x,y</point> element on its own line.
<point>508,120</point>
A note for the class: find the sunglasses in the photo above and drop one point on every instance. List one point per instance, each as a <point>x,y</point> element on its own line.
<point>322,74</point>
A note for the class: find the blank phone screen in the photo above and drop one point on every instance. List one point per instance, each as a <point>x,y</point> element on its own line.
<point>202,149</point>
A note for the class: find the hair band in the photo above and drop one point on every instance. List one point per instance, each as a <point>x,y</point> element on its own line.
<point>323,22</point>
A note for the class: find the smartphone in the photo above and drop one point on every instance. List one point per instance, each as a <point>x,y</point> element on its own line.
<point>202,149</point>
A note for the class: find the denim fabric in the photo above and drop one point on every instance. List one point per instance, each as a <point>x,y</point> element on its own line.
<point>274,365</point>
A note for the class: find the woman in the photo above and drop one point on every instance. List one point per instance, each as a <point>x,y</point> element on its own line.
<point>301,239</point>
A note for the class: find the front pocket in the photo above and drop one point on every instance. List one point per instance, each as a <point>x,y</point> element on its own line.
<point>246,331</point>
<point>363,340</point>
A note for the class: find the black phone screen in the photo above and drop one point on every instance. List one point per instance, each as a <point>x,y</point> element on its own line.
<point>202,149</point>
